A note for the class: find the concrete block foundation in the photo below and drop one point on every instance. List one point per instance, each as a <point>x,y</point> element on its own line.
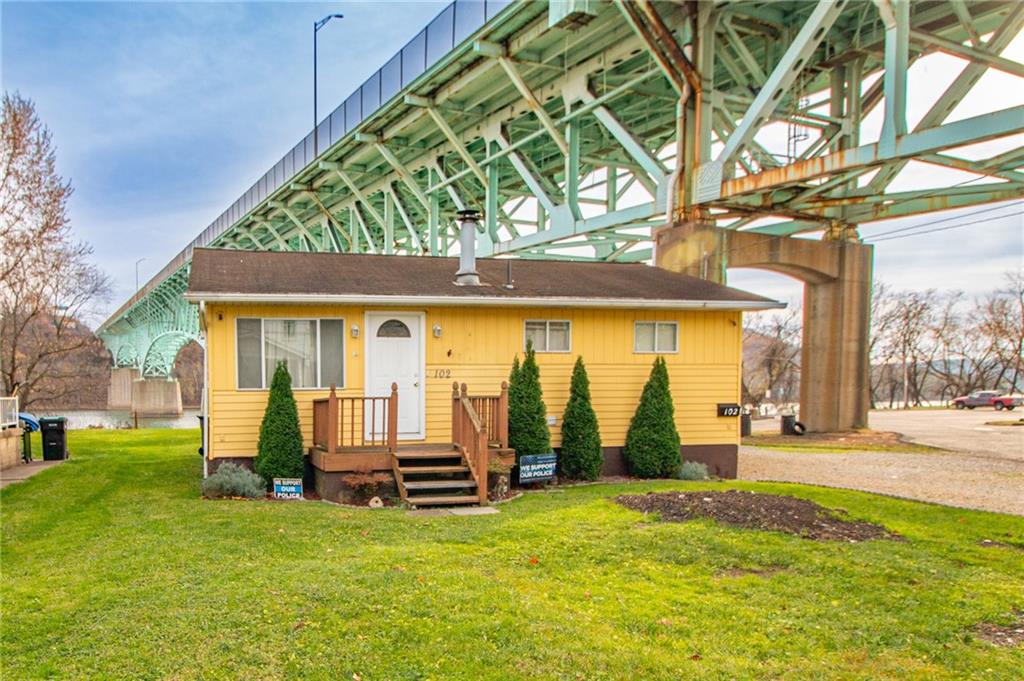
<point>10,448</point>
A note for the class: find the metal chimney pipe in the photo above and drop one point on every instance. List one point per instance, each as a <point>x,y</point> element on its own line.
<point>467,274</point>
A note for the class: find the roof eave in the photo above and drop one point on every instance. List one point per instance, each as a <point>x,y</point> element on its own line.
<point>482,301</point>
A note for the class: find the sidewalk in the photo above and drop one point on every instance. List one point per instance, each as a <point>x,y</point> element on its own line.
<point>24,471</point>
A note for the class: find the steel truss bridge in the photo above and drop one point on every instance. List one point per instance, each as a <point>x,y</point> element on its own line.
<point>580,127</point>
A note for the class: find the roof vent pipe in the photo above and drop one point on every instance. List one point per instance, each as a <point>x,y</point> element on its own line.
<point>467,274</point>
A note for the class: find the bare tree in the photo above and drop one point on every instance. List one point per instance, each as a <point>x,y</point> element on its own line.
<point>771,357</point>
<point>47,285</point>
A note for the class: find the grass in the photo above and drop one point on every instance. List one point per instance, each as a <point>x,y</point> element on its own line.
<point>113,567</point>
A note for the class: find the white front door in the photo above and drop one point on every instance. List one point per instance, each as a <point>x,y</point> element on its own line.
<point>394,354</point>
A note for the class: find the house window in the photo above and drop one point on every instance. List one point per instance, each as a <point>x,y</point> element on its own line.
<point>549,335</point>
<point>312,349</point>
<point>656,337</point>
<point>393,328</point>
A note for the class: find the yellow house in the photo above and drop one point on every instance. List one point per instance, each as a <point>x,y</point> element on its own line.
<point>365,323</point>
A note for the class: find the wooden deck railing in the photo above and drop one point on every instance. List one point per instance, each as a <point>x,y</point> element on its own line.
<point>493,413</point>
<point>349,422</point>
<point>470,434</point>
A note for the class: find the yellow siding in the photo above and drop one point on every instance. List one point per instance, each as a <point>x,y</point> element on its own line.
<point>477,346</point>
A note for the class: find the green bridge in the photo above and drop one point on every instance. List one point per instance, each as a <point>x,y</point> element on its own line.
<point>694,135</point>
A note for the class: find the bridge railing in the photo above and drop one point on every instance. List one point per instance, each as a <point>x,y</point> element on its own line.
<point>452,26</point>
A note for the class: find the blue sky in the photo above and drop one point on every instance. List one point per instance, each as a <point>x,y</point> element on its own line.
<point>164,113</point>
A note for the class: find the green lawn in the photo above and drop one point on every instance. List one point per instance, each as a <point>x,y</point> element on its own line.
<point>113,567</point>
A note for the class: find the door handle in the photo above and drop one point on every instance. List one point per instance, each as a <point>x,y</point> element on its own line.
<point>416,384</point>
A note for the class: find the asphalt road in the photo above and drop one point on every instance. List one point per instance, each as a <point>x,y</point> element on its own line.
<point>963,431</point>
<point>984,468</point>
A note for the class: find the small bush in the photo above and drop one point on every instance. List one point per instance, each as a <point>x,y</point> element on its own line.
<point>232,480</point>
<point>527,416</point>
<point>279,452</point>
<point>693,470</point>
<point>581,456</point>
<point>652,441</point>
<point>365,482</point>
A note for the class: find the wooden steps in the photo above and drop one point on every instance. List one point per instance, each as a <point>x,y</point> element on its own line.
<point>445,501</point>
<point>435,475</point>
<point>433,469</point>
<point>439,484</point>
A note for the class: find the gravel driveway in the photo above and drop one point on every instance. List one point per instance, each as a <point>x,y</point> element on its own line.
<point>984,470</point>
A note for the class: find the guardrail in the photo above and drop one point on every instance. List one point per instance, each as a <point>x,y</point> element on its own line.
<point>451,27</point>
<point>8,412</point>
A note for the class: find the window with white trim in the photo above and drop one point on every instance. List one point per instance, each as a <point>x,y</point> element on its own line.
<point>548,335</point>
<point>656,337</point>
<point>312,349</point>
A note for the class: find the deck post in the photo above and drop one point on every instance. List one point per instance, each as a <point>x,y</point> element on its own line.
<point>456,413</point>
<point>502,425</point>
<point>332,421</point>
<point>482,463</point>
<point>393,419</point>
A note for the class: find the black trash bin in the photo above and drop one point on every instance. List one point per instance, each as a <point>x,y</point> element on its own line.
<point>745,427</point>
<point>55,440</point>
<point>202,432</point>
<point>788,424</point>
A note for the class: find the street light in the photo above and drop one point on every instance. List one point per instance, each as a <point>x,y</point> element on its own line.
<point>317,25</point>
<point>137,274</point>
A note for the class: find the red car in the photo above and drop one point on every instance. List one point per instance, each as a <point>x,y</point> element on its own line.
<point>986,398</point>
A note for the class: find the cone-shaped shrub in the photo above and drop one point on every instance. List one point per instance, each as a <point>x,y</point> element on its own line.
<point>580,458</point>
<point>527,416</point>
<point>652,442</point>
<point>280,448</point>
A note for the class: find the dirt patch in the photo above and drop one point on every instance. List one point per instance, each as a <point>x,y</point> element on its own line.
<point>1007,636</point>
<point>757,511</point>
<point>1018,422</point>
<point>993,544</point>
<point>854,440</point>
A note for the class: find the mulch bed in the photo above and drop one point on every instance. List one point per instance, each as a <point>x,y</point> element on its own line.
<point>757,511</point>
<point>1003,636</point>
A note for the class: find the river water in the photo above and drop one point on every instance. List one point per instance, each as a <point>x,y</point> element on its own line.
<point>80,419</point>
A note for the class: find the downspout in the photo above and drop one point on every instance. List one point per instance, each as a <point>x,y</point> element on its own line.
<point>204,407</point>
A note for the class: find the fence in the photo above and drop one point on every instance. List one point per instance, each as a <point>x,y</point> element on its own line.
<point>8,412</point>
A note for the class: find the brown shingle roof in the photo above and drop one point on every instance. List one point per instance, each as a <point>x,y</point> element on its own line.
<point>226,274</point>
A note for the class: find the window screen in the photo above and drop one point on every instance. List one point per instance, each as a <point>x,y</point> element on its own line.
<point>332,352</point>
<point>292,341</point>
<point>250,358</point>
<point>656,337</point>
<point>549,335</point>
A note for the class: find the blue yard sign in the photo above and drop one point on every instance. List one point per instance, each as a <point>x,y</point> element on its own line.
<point>537,467</point>
<point>287,488</point>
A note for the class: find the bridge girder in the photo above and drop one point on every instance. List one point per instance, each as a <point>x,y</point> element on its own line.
<point>577,141</point>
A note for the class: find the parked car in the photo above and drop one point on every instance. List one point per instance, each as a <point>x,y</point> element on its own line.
<point>987,398</point>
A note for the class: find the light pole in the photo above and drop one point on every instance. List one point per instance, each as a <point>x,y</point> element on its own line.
<point>137,274</point>
<point>317,25</point>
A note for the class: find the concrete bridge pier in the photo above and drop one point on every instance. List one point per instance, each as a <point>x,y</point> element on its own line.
<point>145,396</point>
<point>156,396</point>
<point>836,272</point>
<point>119,394</point>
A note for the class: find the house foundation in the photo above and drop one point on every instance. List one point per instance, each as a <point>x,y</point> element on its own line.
<point>836,272</point>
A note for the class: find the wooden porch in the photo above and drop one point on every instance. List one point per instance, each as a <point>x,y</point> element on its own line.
<point>353,434</point>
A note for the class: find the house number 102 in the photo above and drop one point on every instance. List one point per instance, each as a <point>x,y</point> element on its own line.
<point>442,373</point>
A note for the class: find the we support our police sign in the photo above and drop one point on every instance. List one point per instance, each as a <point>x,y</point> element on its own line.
<point>287,488</point>
<point>537,467</point>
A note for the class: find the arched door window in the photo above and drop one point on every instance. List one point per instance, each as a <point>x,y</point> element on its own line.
<point>393,328</point>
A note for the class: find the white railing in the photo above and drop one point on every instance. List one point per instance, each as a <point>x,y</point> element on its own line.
<point>8,412</point>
